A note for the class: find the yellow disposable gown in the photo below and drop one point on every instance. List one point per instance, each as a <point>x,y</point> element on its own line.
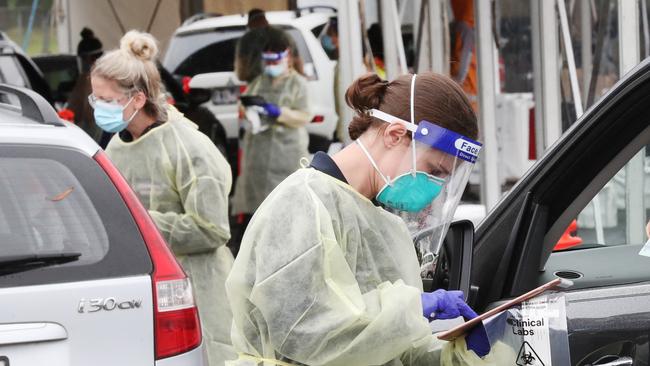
<point>272,155</point>
<point>184,181</point>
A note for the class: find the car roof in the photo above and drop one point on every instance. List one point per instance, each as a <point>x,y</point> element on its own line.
<point>16,129</point>
<point>287,18</point>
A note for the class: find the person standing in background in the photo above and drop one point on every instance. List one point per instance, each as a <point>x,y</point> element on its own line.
<point>269,156</point>
<point>248,53</point>
<point>177,172</point>
<point>89,50</point>
<point>463,49</point>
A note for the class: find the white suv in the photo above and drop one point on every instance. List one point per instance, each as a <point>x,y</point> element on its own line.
<point>205,50</point>
<point>85,276</point>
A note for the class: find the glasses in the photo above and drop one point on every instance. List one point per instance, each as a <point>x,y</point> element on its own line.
<point>92,100</point>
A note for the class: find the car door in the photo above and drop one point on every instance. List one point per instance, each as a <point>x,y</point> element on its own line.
<point>596,174</point>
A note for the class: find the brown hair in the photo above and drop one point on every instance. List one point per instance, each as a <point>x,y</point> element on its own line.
<point>438,99</point>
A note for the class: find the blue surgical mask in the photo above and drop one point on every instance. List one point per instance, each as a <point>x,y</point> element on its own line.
<point>327,43</point>
<point>276,70</point>
<point>109,117</point>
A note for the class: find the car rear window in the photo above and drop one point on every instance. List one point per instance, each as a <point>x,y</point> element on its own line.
<point>60,201</point>
<point>214,51</point>
<point>44,208</point>
<point>11,72</point>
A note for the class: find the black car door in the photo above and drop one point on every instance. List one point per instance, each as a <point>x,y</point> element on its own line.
<point>596,174</point>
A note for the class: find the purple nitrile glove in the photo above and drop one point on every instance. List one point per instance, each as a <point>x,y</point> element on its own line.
<point>477,339</point>
<point>271,110</point>
<point>441,304</point>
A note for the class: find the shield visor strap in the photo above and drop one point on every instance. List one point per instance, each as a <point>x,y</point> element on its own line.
<point>447,141</point>
<point>435,136</point>
<point>274,56</point>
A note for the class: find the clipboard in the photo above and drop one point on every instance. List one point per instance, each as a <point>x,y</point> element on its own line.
<point>461,329</point>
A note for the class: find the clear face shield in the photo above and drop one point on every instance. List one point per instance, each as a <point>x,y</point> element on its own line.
<point>432,179</point>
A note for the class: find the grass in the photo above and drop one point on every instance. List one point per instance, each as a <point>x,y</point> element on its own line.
<point>36,41</point>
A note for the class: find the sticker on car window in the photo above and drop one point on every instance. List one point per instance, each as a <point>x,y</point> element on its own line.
<point>645,251</point>
<point>534,333</point>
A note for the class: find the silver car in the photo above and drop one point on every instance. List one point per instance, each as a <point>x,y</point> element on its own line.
<point>85,276</point>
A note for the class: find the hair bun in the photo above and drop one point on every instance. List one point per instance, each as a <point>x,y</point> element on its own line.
<point>366,93</point>
<point>139,44</point>
<point>87,33</point>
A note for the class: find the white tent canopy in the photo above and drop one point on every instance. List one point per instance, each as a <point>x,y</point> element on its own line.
<point>110,19</point>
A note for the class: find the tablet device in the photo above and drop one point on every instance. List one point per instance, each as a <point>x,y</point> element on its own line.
<point>461,329</point>
<point>250,100</point>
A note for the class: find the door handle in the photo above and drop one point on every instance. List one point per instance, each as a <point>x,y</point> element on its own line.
<point>614,361</point>
<point>18,333</point>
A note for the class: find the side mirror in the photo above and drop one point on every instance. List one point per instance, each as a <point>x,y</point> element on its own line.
<point>451,269</point>
<point>199,96</point>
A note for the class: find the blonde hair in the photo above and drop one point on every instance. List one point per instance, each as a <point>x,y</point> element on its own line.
<point>133,68</point>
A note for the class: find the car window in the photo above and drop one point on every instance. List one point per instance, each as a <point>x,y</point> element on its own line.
<point>214,51</point>
<point>303,50</point>
<point>610,219</point>
<point>55,201</point>
<point>318,30</point>
<point>204,52</point>
<point>44,209</point>
<point>60,74</point>
<point>11,72</point>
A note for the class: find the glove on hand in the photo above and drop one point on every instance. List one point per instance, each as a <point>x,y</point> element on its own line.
<point>477,339</point>
<point>441,304</point>
<point>271,110</point>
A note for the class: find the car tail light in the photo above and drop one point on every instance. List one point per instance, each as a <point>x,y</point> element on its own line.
<point>318,119</point>
<point>176,318</point>
<point>185,82</point>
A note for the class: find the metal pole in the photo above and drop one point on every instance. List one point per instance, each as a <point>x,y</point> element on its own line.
<point>350,53</point>
<point>587,57</point>
<point>628,35</point>
<point>646,31</point>
<point>422,29</point>
<point>546,67</point>
<point>571,61</point>
<point>437,37</point>
<point>490,189</point>
<point>30,25</point>
<point>394,57</point>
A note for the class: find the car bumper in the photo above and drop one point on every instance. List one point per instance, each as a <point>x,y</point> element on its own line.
<point>195,357</point>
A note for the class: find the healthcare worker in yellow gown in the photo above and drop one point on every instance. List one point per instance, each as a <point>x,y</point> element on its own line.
<point>327,273</point>
<point>178,174</point>
<point>271,155</point>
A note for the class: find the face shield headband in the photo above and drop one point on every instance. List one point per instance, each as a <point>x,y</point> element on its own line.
<point>274,56</point>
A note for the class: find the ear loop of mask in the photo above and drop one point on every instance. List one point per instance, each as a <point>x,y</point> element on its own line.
<point>134,113</point>
<point>384,116</point>
<point>372,161</point>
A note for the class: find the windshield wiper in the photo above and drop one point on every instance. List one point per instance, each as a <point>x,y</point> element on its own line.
<point>20,263</point>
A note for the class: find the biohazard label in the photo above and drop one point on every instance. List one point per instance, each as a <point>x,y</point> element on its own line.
<point>528,357</point>
<point>533,328</point>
